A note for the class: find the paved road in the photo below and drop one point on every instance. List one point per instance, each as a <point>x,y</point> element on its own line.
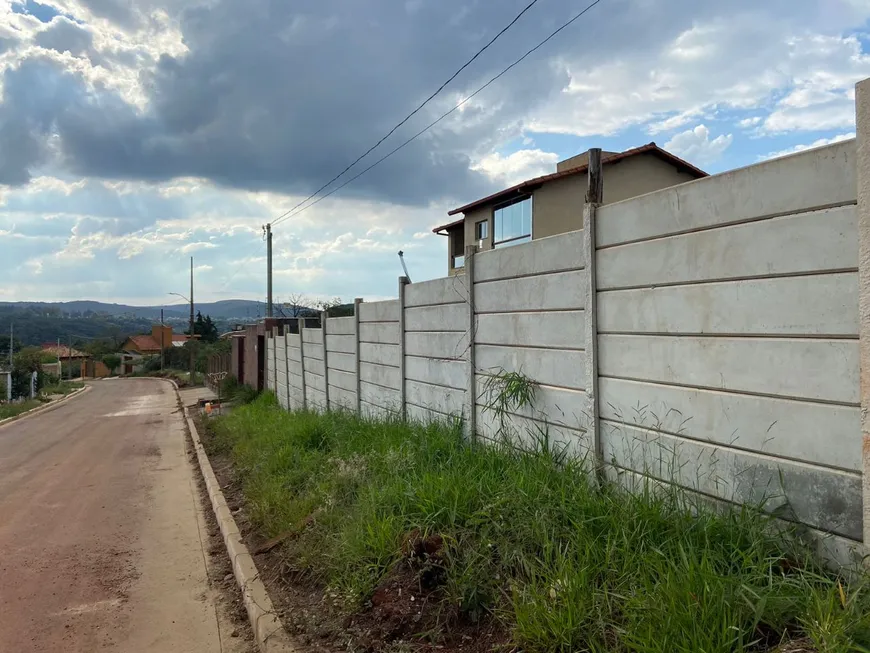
<point>101,530</point>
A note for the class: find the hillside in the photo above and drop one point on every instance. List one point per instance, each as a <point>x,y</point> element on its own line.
<point>228,309</point>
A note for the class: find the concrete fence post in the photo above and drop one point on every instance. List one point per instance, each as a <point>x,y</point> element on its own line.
<point>594,196</point>
<point>403,281</point>
<point>287,366</point>
<point>356,303</point>
<point>302,362</point>
<point>470,422</point>
<point>323,317</point>
<point>862,109</point>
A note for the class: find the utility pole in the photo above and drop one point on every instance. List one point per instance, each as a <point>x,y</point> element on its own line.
<point>11,335</point>
<point>192,342</point>
<point>268,228</point>
<point>162,343</point>
<point>69,355</point>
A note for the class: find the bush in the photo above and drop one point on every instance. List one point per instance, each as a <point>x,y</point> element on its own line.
<point>531,538</point>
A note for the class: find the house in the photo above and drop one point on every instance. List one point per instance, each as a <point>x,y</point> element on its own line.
<point>55,355</point>
<point>137,348</point>
<point>553,204</point>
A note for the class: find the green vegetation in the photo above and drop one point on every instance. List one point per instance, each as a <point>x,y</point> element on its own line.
<point>232,390</point>
<point>112,361</point>
<point>11,410</point>
<point>530,538</point>
<point>61,388</point>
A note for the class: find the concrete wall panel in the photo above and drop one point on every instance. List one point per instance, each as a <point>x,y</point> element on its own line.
<point>532,434</point>
<point>821,304</point>
<point>386,333</point>
<point>345,362</point>
<point>817,178</point>
<point>449,373</point>
<point>804,242</point>
<point>314,336</point>
<point>340,326</point>
<point>425,395</point>
<point>314,365</point>
<point>379,396</point>
<point>343,344</point>
<point>545,366</point>
<point>314,382</point>
<point>826,499</point>
<point>382,375</point>
<point>825,370</point>
<point>379,311</point>
<point>544,292</point>
<point>341,398</point>
<point>824,433</point>
<point>437,345</point>
<point>313,352</point>
<point>561,329</point>
<point>343,380</point>
<point>438,291</point>
<point>380,354</point>
<point>569,408</point>
<point>445,317</point>
<point>557,253</point>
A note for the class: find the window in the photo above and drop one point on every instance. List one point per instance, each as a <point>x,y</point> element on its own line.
<point>513,224</point>
<point>457,247</point>
<point>481,230</point>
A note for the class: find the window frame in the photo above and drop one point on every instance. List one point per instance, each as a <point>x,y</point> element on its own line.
<point>504,205</point>
<point>477,229</point>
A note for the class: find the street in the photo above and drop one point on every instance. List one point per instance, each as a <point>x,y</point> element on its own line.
<point>102,538</point>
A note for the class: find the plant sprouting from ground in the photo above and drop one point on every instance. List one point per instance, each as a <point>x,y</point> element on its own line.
<point>507,392</point>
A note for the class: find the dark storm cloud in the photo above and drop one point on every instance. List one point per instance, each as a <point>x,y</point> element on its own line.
<point>281,96</point>
<point>63,35</point>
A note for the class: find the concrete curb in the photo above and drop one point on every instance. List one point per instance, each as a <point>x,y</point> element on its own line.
<point>44,408</point>
<point>268,630</point>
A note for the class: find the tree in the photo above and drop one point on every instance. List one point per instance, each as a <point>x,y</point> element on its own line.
<point>112,361</point>
<point>205,328</point>
<point>24,364</point>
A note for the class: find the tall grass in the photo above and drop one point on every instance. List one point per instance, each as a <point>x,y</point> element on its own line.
<point>566,564</point>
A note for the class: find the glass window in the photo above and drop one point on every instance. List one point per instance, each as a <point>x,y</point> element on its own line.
<point>513,224</point>
<point>482,230</point>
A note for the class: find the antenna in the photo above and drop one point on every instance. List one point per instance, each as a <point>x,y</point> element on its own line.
<point>404,267</point>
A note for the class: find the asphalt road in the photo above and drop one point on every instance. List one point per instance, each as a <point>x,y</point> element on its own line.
<point>102,542</point>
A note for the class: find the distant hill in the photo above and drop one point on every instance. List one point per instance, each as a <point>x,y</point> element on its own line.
<point>227,310</point>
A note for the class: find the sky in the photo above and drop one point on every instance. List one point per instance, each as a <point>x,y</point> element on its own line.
<point>135,134</point>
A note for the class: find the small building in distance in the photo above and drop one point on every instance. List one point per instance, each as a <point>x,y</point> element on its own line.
<point>136,350</point>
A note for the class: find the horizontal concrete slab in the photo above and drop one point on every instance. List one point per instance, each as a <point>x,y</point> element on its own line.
<point>545,292</point>
<point>314,365</point>
<point>340,326</point>
<point>382,333</point>
<point>341,398</point>
<point>339,361</point>
<point>825,499</point>
<point>313,336</point>
<point>822,434</point>
<point>810,369</point>
<point>313,351</point>
<point>445,400</point>
<point>824,304</point>
<point>380,396</point>
<point>379,311</point>
<point>556,330</point>
<point>547,366</point>
<point>341,343</point>
<point>793,244</point>
<point>445,317</point>
<point>441,372</point>
<point>446,290</point>
<point>819,177</point>
<point>556,406</point>
<point>532,434</point>
<point>342,379</point>
<point>314,382</point>
<point>553,254</point>
<point>382,375</point>
<point>437,345</point>
<point>381,354</point>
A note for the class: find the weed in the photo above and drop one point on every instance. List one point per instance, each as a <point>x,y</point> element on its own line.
<point>532,539</point>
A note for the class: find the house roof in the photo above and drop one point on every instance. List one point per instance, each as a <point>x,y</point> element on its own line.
<point>531,184</point>
<point>143,343</point>
<point>63,351</point>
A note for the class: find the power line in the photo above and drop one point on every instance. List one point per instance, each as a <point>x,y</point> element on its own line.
<point>415,111</point>
<point>291,214</point>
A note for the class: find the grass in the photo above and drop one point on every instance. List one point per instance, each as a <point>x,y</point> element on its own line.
<point>61,388</point>
<point>531,539</point>
<point>11,410</point>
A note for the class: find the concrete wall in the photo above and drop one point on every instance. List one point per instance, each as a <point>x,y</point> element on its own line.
<point>706,334</point>
<point>529,311</point>
<point>727,322</point>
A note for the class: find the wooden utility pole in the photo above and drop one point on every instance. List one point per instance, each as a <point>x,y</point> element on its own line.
<point>191,340</point>
<point>69,355</point>
<point>162,343</point>
<point>268,270</point>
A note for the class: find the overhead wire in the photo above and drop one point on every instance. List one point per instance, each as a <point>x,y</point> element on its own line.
<point>417,110</point>
<point>291,214</point>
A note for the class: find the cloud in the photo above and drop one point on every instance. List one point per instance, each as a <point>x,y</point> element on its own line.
<point>517,166</point>
<point>800,148</point>
<point>695,145</point>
